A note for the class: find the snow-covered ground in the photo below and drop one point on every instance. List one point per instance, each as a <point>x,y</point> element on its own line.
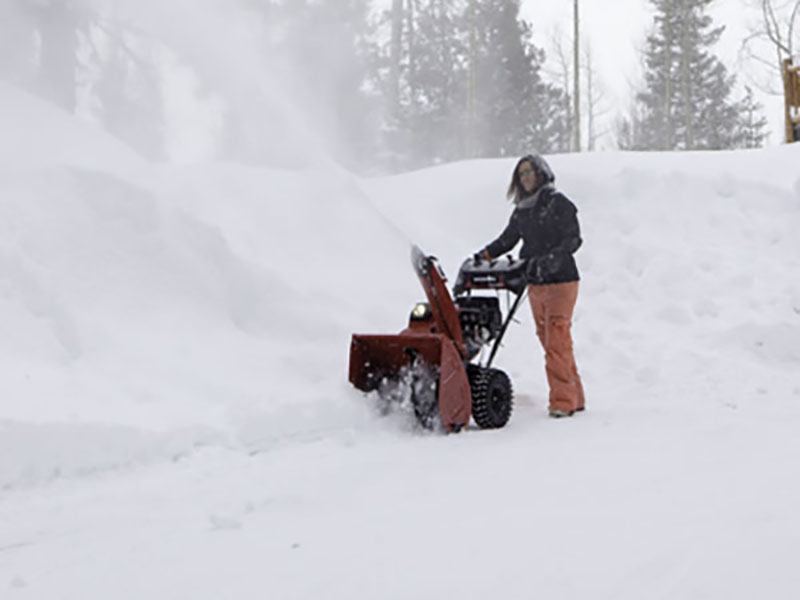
<point>175,420</point>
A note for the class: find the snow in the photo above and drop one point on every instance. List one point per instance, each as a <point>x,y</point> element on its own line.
<point>175,420</point>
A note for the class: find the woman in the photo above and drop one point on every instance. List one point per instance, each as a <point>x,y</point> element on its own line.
<point>546,222</point>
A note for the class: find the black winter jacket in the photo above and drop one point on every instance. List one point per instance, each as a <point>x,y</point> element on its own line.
<point>547,223</point>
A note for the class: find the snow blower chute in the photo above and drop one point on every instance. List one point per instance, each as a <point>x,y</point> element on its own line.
<point>436,360</point>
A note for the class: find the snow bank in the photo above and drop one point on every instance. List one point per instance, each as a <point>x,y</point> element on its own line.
<point>216,302</point>
<point>38,134</point>
<point>144,300</point>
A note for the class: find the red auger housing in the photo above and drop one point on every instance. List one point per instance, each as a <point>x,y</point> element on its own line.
<point>433,355</point>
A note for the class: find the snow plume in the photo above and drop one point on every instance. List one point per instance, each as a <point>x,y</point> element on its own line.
<point>222,45</point>
<point>247,82</point>
<point>15,26</point>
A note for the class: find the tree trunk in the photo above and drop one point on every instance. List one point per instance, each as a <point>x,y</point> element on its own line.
<point>686,89</point>
<point>395,51</point>
<point>412,57</point>
<point>472,84</point>
<point>668,75</point>
<point>577,78</point>
<point>590,141</point>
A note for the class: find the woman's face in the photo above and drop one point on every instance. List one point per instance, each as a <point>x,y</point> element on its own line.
<point>527,176</point>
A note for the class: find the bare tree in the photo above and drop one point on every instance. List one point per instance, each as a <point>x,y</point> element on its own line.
<point>627,122</point>
<point>776,33</point>
<point>591,108</point>
<point>577,76</point>
<point>564,75</point>
<point>594,99</point>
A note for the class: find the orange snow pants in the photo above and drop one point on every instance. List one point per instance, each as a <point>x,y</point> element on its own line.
<point>552,306</point>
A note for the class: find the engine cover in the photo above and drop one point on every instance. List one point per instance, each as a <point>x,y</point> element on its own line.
<point>501,274</point>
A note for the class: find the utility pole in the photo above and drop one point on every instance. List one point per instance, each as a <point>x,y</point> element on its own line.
<point>577,79</point>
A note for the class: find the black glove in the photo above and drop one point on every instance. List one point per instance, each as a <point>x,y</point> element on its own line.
<point>481,256</point>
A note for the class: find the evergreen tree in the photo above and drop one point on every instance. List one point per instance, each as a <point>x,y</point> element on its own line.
<point>322,48</point>
<point>436,83</point>
<point>686,102</point>
<point>627,130</point>
<point>752,122</point>
<point>468,83</point>
<point>517,111</point>
<point>422,73</point>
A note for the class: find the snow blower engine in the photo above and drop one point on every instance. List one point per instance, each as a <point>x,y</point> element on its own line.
<point>435,364</point>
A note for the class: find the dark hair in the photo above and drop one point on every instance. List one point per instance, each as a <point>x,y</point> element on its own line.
<point>544,174</point>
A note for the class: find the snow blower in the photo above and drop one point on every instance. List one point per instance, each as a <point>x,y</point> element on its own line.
<point>435,363</point>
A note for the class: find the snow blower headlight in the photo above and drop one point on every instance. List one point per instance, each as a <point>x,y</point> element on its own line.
<point>421,312</point>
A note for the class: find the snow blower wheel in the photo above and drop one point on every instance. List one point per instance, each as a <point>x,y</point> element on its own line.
<point>491,397</point>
